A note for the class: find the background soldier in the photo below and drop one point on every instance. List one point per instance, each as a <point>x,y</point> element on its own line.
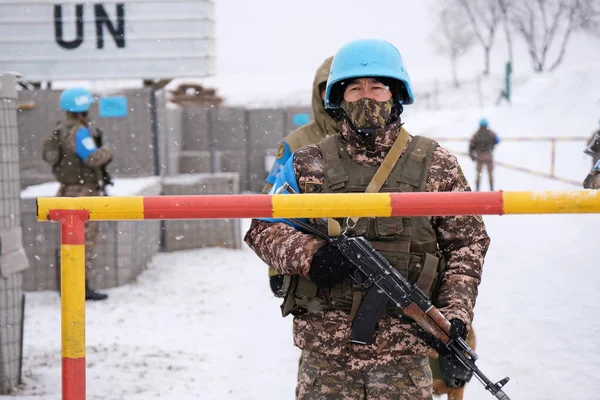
<point>592,143</point>
<point>368,86</point>
<point>78,163</point>
<point>592,181</point>
<point>311,133</point>
<point>481,147</point>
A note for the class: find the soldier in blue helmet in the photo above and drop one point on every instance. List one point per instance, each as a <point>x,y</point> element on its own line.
<point>481,148</point>
<point>367,89</point>
<point>78,160</point>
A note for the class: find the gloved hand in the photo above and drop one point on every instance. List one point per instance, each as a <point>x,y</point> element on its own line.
<point>329,266</point>
<point>458,329</point>
<point>472,155</point>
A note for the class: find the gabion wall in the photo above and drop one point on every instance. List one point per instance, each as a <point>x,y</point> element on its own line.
<point>233,140</point>
<point>12,257</point>
<point>191,139</point>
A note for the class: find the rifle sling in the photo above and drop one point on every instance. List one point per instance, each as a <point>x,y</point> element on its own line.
<point>374,186</point>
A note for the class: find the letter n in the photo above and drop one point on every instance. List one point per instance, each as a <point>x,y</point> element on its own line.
<point>117,33</point>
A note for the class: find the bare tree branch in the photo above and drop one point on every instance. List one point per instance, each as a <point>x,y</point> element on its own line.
<point>549,24</point>
<point>452,36</point>
<point>484,16</point>
<point>504,6</point>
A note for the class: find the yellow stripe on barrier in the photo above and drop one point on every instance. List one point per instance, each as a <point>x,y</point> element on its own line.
<point>102,208</point>
<point>552,202</point>
<point>333,205</point>
<point>73,300</point>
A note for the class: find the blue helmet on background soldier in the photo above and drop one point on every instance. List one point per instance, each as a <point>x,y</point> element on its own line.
<point>76,100</point>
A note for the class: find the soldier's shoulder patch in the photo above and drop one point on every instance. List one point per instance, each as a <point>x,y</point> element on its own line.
<point>280,151</point>
<point>478,218</point>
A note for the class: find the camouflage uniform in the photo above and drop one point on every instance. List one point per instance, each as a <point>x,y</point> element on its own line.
<point>481,147</point>
<point>332,367</point>
<point>81,180</point>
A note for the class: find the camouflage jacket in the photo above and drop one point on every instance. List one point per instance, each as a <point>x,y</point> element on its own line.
<point>463,240</point>
<point>71,169</point>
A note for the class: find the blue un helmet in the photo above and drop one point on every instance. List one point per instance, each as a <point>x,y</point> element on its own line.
<point>76,100</point>
<point>367,58</point>
<point>483,122</point>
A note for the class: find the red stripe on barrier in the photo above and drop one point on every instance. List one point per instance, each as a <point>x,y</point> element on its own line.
<point>73,378</point>
<point>446,203</point>
<point>72,224</point>
<point>214,206</point>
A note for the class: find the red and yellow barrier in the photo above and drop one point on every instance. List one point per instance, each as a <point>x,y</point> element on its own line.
<point>325,205</point>
<point>72,213</point>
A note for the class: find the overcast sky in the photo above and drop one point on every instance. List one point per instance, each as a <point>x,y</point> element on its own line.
<point>285,36</point>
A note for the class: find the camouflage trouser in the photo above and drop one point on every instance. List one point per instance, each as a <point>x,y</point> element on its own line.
<point>484,158</point>
<point>320,378</point>
<point>91,227</point>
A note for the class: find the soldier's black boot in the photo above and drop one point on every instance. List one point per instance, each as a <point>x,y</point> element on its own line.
<point>91,294</point>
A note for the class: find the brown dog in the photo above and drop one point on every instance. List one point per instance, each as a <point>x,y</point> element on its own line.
<point>439,386</point>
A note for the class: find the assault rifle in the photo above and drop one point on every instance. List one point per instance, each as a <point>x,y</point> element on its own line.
<point>385,284</point>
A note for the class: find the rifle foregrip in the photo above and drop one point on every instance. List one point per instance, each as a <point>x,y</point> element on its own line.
<point>427,322</point>
<point>439,319</point>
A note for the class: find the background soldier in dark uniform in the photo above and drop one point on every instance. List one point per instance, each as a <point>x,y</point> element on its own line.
<point>481,149</point>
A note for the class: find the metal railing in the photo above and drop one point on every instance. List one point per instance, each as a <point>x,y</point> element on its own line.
<point>553,140</point>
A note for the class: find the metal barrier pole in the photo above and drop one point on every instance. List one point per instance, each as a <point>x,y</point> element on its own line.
<point>72,298</point>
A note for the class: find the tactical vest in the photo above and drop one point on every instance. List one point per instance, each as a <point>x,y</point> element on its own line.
<point>70,169</point>
<point>409,244</point>
<point>483,140</point>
